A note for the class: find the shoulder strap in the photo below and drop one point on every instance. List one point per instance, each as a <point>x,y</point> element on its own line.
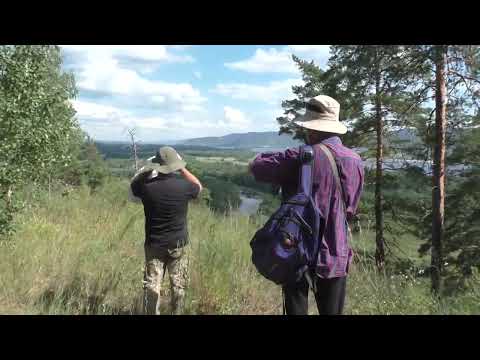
<point>333,164</point>
<point>306,171</point>
<point>307,160</point>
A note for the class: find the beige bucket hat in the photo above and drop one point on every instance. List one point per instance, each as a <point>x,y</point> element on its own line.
<point>167,160</point>
<point>322,114</point>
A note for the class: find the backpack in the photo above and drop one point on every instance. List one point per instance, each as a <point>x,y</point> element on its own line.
<point>286,247</point>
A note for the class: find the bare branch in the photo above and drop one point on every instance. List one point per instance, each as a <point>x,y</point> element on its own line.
<point>464,77</point>
<point>132,132</point>
<point>419,99</point>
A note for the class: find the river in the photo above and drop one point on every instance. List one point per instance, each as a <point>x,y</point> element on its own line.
<point>248,205</point>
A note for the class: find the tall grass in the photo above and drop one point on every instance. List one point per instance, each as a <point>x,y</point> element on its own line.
<point>83,254</point>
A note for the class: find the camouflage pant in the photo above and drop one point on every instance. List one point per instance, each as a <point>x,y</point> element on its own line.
<point>157,261</point>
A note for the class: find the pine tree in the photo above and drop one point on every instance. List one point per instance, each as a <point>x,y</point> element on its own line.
<point>454,80</point>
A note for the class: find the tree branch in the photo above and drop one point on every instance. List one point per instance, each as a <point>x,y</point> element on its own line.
<point>464,77</point>
<point>419,100</point>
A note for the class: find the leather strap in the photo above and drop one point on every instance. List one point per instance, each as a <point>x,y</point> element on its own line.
<point>333,164</point>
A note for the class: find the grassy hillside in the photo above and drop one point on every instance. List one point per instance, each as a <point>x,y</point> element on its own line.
<point>83,254</point>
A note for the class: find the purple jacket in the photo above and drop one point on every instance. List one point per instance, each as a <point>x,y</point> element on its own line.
<point>282,168</point>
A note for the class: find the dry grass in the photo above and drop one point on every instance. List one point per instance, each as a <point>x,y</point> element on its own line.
<point>84,255</point>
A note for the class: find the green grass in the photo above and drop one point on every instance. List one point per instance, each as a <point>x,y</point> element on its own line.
<point>83,254</point>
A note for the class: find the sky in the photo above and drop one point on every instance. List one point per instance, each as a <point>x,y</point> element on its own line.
<point>174,92</point>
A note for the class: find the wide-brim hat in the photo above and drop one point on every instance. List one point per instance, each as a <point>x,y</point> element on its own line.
<point>322,114</point>
<point>167,160</point>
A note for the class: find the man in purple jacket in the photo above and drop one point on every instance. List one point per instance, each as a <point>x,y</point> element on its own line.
<point>321,125</point>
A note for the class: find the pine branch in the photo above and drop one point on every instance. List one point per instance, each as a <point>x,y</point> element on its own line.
<point>464,78</point>
<point>418,100</point>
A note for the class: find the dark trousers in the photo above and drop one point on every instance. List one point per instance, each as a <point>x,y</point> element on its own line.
<point>330,296</point>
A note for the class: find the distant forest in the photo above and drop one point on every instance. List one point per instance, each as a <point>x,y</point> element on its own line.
<point>123,150</point>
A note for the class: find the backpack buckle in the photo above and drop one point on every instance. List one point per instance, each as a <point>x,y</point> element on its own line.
<point>307,156</point>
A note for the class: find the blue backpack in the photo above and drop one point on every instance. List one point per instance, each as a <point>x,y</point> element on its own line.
<point>286,248</point>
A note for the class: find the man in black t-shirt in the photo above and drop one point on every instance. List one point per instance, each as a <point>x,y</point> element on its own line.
<point>165,197</point>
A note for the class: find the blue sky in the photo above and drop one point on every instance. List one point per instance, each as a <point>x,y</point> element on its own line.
<point>169,92</point>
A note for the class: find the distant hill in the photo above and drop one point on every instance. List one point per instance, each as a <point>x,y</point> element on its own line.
<point>245,141</point>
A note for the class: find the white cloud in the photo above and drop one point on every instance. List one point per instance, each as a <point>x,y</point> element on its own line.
<point>159,110</point>
<point>91,109</point>
<point>106,122</point>
<point>273,93</point>
<point>146,53</point>
<point>265,61</point>
<point>180,47</point>
<point>110,122</point>
<point>314,51</point>
<point>273,60</point>
<point>119,89</point>
<point>234,119</point>
<point>98,114</point>
<point>99,70</point>
<point>151,123</point>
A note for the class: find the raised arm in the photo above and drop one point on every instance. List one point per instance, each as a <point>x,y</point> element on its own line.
<point>191,178</point>
<point>275,167</point>
<point>134,189</point>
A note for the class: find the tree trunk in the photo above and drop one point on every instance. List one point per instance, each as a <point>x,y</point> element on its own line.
<point>134,148</point>
<point>379,238</point>
<point>135,156</point>
<point>438,191</point>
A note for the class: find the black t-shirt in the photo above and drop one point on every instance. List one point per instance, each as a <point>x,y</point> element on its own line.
<point>165,203</point>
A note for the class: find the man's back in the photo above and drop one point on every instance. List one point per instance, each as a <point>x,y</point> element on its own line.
<point>165,200</point>
<point>283,169</point>
<point>335,253</point>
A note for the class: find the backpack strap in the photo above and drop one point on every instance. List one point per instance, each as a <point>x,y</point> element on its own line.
<point>307,160</point>
<point>306,157</point>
